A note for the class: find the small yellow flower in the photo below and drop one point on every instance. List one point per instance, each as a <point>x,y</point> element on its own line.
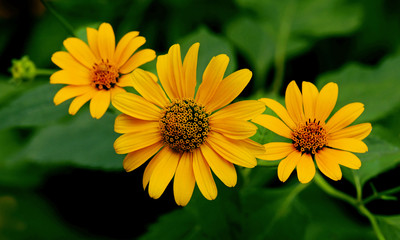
<point>98,71</point>
<point>329,143</point>
<point>188,133</point>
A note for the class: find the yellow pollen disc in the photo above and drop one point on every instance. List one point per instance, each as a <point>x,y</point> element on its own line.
<point>104,75</point>
<point>309,137</point>
<point>184,125</point>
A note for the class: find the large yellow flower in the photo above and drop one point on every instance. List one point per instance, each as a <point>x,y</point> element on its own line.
<point>188,133</point>
<point>312,138</point>
<point>98,71</point>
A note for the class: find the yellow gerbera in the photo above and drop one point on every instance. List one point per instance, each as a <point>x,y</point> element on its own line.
<point>184,130</point>
<point>303,121</point>
<point>98,71</point>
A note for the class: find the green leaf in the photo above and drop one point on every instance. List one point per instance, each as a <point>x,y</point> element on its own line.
<point>390,226</point>
<point>84,142</point>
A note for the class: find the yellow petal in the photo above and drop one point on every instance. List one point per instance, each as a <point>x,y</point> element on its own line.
<point>132,47</point>
<point>344,158</point>
<point>203,176</point>
<point>150,90</point>
<point>294,102</point>
<point>348,144</point>
<point>126,124</point>
<point>359,131</point>
<point>287,165</point>
<point>78,102</point>
<point>310,95</point>
<point>279,110</point>
<point>244,110</point>
<point>328,165</point>
<point>92,37</point>
<point>152,164</point>
<point>176,69</point>
<point>106,41</point>
<point>138,59</point>
<point>65,61</point>
<point>116,90</point>
<point>326,101</point>
<point>231,150</point>
<point>68,92</point>
<point>135,159</point>
<point>130,142</point>
<point>100,103</point>
<point>80,51</point>
<point>274,124</point>
<point>276,150</point>
<point>229,89</point>
<point>233,128</point>
<point>184,180</point>
<point>253,147</point>
<point>123,50</point>
<point>69,77</point>
<point>189,70</point>
<point>125,81</point>
<point>344,117</point>
<point>223,169</point>
<point>305,168</point>
<point>163,172</point>
<point>164,73</point>
<point>212,78</point>
<point>136,106</point>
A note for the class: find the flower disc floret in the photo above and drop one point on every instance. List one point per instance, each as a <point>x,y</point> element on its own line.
<point>309,137</point>
<point>104,75</point>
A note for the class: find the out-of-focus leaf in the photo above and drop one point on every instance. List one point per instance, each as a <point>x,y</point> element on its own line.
<point>377,88</point>
<point>83,142</point>
<point>390,226</point>
<point>33,108</point>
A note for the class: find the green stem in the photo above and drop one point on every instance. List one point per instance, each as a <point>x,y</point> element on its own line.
<point>373,221</point>
<point>381,194</point>
<point>358,186</point>
<point>44,72</point>
<point>324,185</point>
<point>62,20</point>
<point>282,40</point>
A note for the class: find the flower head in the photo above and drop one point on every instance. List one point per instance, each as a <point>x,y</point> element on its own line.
<point>313,138</point>
<point>188,133</point>
<point>99,70</point>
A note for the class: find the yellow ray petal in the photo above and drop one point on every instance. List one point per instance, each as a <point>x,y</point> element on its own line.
<point>68,92</point>
<point>92,37</point>
<point>163,173</point>
<point>359,131</point>
<point>203,176</point>
<point>78,102</point>
<point>274,124</point>
<point>229,89</point>
<point>344,117</point>
<point>136,106</point>
<point>310,95</point>
<point>287,165</point>
<point>126,124</point>
<point>244,110</point>
<point>176,69</point>
<point>276,150</point>
<point>138,59</point>
<point>305,168</point>
<point>223,169</point>
<point>253,147</point>
<point>184,180</point>
<point>116,90</point>
<point>328,165</point>
<point>106,41</point>
<point>326,101</point>
<point>135,159</point>
<point>130,142</point>
<point>279,110</point>
<point>123,51</point>
<point>344,158</point>
<point>294,102</point>
<point>189,70</point>
<point>233,128</point>
<point>164,75</point>
<point>65,61</point>
<point>152,164</point>
<point>231,150</point>
<point>348,144</point>
<point>80,51</point>
<point>68,77</point>
<point>150,90</point>
<point>100,103</point>
<point>212,78</point>
<point>125,81</point>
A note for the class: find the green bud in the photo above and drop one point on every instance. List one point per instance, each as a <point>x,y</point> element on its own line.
<point>22,70</point>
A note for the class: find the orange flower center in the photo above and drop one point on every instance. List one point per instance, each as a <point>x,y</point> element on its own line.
<point>184,125</point>
<point>104,75</point>
<point>309,137</point>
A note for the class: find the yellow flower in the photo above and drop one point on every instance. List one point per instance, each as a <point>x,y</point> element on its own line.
<point>98,71</point>
<point>329,143</point>
<point>184,130</point>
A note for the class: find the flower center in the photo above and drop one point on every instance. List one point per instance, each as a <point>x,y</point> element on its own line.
<point>309,137</point>
<point>104,75</point>
<point>184,126</point>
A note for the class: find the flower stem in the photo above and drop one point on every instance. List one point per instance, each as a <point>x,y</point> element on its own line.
<point>373,221</point>
<point>44,72</point>
<point>62,20</point>
<point>320,181</point>
<point>381,194</point>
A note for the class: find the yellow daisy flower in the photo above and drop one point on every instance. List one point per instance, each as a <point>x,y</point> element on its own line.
<point>329,143</point>
<point>97,71</point>
<point>188,133</point>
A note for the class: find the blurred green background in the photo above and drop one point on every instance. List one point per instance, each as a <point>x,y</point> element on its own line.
<point>61,179</point>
